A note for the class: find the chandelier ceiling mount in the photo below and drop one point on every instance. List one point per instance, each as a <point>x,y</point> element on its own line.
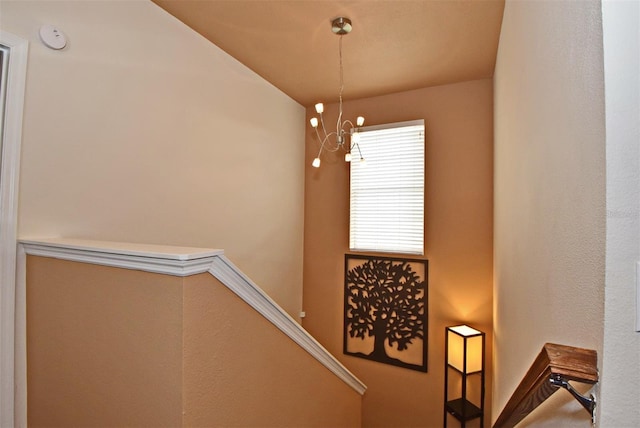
<point>341,26</point>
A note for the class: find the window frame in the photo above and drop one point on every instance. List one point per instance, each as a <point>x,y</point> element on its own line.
<point>382,247</point>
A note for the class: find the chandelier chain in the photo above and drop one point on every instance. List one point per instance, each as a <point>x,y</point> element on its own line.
<point>339,124</point>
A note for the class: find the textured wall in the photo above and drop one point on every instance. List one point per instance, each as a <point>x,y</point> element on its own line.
<point>618,403</point>
<point>458,241</point>
<point>140,130</point>
<point>118,347</point>
<point>104,346</point>
<point>549,192</point>
<point>240,370</point>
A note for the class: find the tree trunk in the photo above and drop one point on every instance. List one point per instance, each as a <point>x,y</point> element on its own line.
<point>380,337</point>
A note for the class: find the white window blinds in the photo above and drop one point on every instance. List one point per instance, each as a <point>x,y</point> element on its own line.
<point>387,190</point>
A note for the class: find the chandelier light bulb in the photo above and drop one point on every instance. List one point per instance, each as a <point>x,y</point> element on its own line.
<point>316,163</point>
<point>360,121</point>
<point>319,108</point>
<point>347,157</point>
<point>314,122</point>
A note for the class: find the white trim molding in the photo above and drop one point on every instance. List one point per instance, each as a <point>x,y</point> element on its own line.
<point>175,261</point>
<point>16,76</point>
<point>181,261</point>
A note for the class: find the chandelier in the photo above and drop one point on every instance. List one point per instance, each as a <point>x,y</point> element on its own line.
<point>345,137</point>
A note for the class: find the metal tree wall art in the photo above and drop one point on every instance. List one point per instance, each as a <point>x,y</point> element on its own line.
<point>385,310</point>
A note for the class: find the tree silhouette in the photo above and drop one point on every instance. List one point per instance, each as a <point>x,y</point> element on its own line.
<point>386,299</point>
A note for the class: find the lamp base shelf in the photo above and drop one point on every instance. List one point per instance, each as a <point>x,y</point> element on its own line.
<point>463,410</point>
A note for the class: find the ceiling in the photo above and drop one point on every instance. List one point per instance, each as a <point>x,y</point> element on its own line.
<point>395,45</point>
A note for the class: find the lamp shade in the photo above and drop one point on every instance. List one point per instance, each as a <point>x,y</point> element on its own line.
<point>465,348</point>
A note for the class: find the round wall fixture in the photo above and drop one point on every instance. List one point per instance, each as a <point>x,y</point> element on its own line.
<point>52,37</point>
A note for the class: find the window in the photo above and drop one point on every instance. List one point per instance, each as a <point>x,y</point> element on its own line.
<point>387,189</point>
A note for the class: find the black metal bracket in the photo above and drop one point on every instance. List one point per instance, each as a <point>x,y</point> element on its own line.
<point>589,403</point>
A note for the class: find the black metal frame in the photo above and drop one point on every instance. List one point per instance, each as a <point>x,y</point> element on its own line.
<point>362,259</point>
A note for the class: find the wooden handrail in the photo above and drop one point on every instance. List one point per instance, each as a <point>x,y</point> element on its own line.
<point>554,363</point>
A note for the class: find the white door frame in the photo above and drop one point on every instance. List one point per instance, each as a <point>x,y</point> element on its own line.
<point>10,173</point>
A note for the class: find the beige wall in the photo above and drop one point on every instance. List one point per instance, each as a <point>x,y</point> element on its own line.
<point>620,375</point>
<point>117,347</point>
<point>549,192</point>
<point>140,130</point>
<point>104,346</point>
<point>242,371</point>
<point>458,229</point>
